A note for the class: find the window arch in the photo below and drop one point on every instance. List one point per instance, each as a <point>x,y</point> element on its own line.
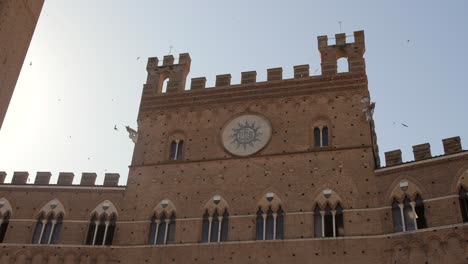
<point>463,199</point>
<point>162,226</point>
<point>102,224</point>
<point>164,85</point>
<point>162,229</point>
<point>328,222</point>
<point>48,228</point>
<point>270,218</point>
<point>321,132</point>
<point>215,224</point>
<point>5,214</point>
<point>328,214</point>
<point>408,214</point>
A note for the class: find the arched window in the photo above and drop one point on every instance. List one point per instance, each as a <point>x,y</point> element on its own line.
<point>342,65</point>
<point>177,149</point>
<point>47,230</point>
<point>101,230</point>
<point>215,227</point>
<point>397,216</point>
<point>164,85</point>
<point>4,221</point>
<point>463,199</point>
<point>271,224</point>
<point>321,136</point>
<point>408,215</point>
<point>317,222</point>
<point>206,227</point>
<point>162,229</point>
<point>259,226</point>
<point>339,223</point>
<point>329,222</point>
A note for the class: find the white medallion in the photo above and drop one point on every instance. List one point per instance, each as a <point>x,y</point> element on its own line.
<point>246,134</point>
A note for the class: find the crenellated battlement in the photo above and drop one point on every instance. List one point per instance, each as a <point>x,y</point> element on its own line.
<point>423,151</point>
<point>175,74</point>
<point>88,179</point>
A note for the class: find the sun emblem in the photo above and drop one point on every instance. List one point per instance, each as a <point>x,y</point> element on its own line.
<point>245,134</point>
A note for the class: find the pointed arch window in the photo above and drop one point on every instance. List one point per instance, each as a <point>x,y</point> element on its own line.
<point>47,230</point>
<point>4,221</point>
<point>270,224</point>
<point>177,149</point>
<point>162,229</point>
<point>215,226</point>
<point>408,215</point>
<point>463,199</point>
<point>101,230</point>
<point>328,222</point>
<point>321,136</point>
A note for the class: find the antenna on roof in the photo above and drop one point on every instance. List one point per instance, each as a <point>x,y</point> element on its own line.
<point>170,49</point>
<point>339,22</point>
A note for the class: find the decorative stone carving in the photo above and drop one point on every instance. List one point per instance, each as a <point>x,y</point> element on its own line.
<point>246,135</point>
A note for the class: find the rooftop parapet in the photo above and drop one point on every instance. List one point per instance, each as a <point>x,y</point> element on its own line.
<point>176,73</point>
<point>452,145</point>
<point>64,179</point>
<point>393,157</point>
<point>223,80</point>
<point>275,74</point>
<point>42,178</point>
<point>422,151</point>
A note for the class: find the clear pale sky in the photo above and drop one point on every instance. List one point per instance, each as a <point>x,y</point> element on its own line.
<point>85,76</point>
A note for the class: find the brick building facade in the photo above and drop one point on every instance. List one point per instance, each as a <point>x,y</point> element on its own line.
<point>279,171</point>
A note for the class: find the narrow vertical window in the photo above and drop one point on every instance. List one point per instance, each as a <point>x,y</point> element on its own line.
<point>47,230</point>
<point>463,199</point>
<point>173,155</point>
<point>109,235</point>
<point>408,215</point>
<point>57,229</point>
<point>164,86</point>
<point>317,137</point>
<point>396,216</point>
<point>38,230</point>
<point>101,229</point>
<point>215,227</point>
<point>317,222</point>
<point>152,231</point>
<point>339,223</point>
<point>324,136</point>
<point>280,224</point>
<point>91,230</point>
<point>162,230</point>
<point>4,225</point>
<point>419,210</point>
<point>269,225</point>
<point>328,221</point>
<point>171,230</point>
<point>259,225</point>
<point>205,227</point>
<point>180,150</point>
<point>225,226</point>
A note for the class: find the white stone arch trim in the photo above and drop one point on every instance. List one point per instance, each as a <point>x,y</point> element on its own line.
<point>270,199</point>
<point>106,208</point>
<point>54,207</point>
<point>216,203</point>
<point>322,201</point>
<point>460,179</point>
<point>414,188</point>
<point>166,207</point>
<point>5,207</point>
